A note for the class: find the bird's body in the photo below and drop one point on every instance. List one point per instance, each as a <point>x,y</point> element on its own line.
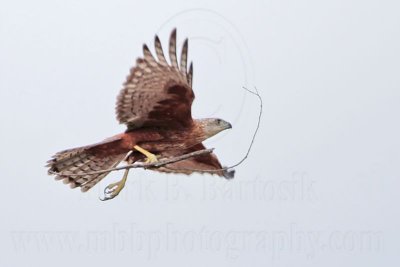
<point>155,104</point>
<point>153,139</point>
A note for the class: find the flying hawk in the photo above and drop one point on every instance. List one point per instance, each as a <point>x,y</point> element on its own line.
<point>155,105</point>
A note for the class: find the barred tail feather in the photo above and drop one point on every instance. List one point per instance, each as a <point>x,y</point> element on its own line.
<point>80,161</point>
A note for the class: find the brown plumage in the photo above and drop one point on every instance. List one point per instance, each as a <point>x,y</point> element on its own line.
<point>155,104</point>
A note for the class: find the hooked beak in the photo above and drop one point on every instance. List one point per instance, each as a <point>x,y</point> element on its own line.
<point>229,126</point>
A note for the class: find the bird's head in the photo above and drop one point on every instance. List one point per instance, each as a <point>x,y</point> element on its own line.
<point>212,126</point>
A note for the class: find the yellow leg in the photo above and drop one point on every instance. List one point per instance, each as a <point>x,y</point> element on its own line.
<point>113,190</point>
<point>151,158</point>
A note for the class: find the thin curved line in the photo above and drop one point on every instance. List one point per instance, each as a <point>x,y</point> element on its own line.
<point>242,58</point>
<point>250,146</point>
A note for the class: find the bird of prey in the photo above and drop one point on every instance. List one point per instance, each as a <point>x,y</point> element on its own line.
<point>155,105</point>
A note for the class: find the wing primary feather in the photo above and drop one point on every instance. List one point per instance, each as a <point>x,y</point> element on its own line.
<point>190,74</point>
<point>149,96</point>
<point>172,49</point>
<point>184,57</point>
<point>148,56</point>
<point>159,51</point>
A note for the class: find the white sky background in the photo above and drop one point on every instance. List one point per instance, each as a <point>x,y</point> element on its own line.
<point>320,187</point>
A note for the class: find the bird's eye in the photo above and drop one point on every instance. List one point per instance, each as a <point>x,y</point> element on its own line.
<point>219,121</point>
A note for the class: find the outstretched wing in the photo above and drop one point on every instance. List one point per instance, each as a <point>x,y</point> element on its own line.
<point>207,163</point>
<point>157,93</point>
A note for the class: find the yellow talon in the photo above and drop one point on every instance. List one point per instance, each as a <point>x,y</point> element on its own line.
<point>113,190</point>
<point>151,158</point>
